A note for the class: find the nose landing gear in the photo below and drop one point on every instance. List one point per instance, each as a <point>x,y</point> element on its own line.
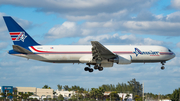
<point>163,63</point>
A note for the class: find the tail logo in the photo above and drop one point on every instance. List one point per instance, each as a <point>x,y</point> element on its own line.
<point>137,52</point>
<point>18,36</point>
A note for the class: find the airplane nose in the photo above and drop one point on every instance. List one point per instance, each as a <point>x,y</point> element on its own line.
<point>173,55</point>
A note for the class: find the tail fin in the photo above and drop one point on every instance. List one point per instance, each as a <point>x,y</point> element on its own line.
<point>18,35</point>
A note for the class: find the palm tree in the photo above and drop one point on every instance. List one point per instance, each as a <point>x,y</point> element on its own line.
<point>59,87</point>
<point>45,87</point>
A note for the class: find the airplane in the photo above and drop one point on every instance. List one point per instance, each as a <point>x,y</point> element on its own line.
<point>95,54</point>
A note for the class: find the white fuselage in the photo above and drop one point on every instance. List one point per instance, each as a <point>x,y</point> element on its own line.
<point>83,54</point>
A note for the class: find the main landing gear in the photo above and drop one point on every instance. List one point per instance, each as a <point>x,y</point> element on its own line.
<point>163,63</point>
<point>96,66</point>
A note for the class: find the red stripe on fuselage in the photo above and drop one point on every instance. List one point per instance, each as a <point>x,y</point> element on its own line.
<point>123,52</point>
<point>60,52</point>
<point>89,52</point>
<point>166,53</point>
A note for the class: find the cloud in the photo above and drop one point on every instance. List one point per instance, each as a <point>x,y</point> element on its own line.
<point>81,7</point>
<point>71,29</point>
<point>93,10</point>
<point>67,29</point>
<point>175,4</point>
<point>173,17</point>
<point>119,40</point>
<point>174,62</point>
<point>3,45</point>
<point>178,44</point>
<point>2,27</point>
<point>151,27</point>
<point>103,17</point>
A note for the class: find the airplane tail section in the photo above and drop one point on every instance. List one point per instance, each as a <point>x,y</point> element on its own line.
<point>18,35</point>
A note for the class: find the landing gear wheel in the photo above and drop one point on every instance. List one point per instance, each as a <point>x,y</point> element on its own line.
<point>162,67</point>
<point>90,70</point>
<point>96,67</point>
<point>163,63</point>
<point>100,68</point>
<point>86,68</point>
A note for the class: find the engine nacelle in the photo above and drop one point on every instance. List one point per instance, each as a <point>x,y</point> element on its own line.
<point>122,59</point>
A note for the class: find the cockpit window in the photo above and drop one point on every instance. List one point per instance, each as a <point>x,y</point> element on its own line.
<point>169,50</point>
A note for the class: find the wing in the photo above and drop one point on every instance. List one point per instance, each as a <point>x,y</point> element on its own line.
<point>100,52</point>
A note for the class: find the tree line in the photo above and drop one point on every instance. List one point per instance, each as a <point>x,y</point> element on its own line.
<point>134,87</point>
<point>131,87</point>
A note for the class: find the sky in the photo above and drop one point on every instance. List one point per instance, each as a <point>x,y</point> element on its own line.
<point>111,22</point>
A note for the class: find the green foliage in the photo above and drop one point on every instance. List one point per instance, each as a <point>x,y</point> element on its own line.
<point>133,87</point>
<point>46,87</point>
<point>60,97</point>
<point>151,96</point>
<point>55,99</point>
<point>45,99</point>
<point>137,98</point>
<point>97,93</point>
<point>35,99</point>
<point>14,99</point>
<point>59,87</point>
<point>77,88</point>
<point>74,88</point>
<point>3,94</point>
<point>66,87</point>
<point>175,95</point>
<point>114,96</point>
<point>1,98</point>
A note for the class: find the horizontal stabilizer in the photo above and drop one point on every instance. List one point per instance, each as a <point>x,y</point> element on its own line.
<point>21,50</point>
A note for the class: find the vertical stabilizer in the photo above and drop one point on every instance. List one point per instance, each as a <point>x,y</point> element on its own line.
<point>18,35</point>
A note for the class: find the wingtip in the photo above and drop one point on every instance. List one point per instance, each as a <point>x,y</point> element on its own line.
<point>94,41</point>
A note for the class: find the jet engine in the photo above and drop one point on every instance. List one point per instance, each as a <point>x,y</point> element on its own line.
<point>122,59</point>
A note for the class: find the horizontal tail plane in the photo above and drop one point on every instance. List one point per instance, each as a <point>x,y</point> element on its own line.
<point>21,49</point>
